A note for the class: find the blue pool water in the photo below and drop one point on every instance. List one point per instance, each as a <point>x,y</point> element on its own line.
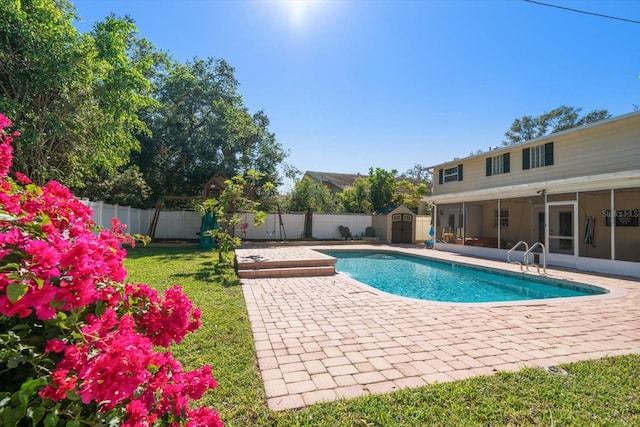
<point>428,279</point>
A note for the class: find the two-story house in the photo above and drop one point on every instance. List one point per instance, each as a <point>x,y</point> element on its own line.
<point>576,191</point>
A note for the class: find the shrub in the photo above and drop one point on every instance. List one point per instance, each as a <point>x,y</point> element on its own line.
<point>78,345</point>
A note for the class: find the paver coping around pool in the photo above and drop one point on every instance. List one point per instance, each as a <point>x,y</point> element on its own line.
<point>327,338</point>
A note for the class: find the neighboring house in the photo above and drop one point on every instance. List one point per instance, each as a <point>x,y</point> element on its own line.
<point>335,182</point>
<point>576,191</point>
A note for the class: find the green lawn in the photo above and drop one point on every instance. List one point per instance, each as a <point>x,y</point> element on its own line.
<point>600,393</point>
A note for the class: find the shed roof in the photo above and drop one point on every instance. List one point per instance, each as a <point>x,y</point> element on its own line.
<point>390,207</point>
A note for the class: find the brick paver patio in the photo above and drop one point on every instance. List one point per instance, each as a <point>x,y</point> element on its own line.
<point>326,338</point>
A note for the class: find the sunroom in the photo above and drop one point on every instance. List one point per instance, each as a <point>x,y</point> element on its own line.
<point>589,223</point>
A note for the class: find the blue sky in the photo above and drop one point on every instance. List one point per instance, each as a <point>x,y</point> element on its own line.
<point>353,84</point>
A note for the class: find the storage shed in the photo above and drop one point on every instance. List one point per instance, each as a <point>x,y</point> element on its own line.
<point>394,223</point>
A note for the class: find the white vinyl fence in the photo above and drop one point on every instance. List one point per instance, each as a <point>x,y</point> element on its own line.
<point>324,226</point>
<point>423,224</point>
<point>136,220</point>
<point>185,224</point>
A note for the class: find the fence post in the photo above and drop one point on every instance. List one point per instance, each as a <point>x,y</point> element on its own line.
<point>97,212</point>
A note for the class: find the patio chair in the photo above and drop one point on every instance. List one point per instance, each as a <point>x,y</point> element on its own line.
<point>345,233</point>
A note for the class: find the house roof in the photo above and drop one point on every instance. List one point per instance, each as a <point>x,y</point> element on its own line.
<point>341,180</point>
<point>344,180</point>
<point>392,207</point>
<point>386,209</point>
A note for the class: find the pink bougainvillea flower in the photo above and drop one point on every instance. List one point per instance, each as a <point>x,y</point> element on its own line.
<point>5,158</point>
<point>22,178</point>
<point>62,277</point>
<point>203,417</point>
<point>6,150</point>
<point>63,384</point>
<point>55,345</point>
<point>168,320</point>
<point>4,122</point>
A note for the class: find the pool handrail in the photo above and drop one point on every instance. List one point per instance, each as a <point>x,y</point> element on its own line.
<point>525,257</point>
<point>516,246</point>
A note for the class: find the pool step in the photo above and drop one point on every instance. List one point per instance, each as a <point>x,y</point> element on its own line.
<point>287,272</point>
<point>265,268</point>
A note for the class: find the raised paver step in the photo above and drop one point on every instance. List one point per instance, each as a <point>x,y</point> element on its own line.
<point>301,271</point>
<point>281,263</point>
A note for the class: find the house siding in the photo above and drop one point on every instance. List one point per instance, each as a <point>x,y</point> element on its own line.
<point>611,147</point>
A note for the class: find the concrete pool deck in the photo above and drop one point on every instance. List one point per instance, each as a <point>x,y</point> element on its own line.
<point>331,337</point>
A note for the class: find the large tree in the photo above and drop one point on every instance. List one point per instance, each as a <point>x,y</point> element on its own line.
<point>309,194</point>
<point>356,198</point>
<point>75,95</point>
<point>409,194</point>
<point>382,184</point>
<point>556,120</point>
<point>380,188</point>
<point>199,127</point>
<point>126,188</point>
<point>418,172</point>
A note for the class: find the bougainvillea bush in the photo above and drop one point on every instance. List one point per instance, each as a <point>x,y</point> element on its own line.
<point>78,345</point>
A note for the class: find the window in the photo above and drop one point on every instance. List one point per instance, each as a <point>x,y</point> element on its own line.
<point>212,193</point>
<point>504,218</point>
<point>450,174</point>
<point>538,156</point>
<point>500,164</point>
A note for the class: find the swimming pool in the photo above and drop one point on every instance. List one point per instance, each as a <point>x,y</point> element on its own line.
<point>428,279</point>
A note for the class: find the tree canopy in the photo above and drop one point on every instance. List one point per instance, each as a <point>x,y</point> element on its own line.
<point>310,194</point>
<point>199,127</point>
<point>75,95</point>
<point>556,120</point>
<point>357,198</point>
<point>382,184</point>
<point>409,194</point>
<point>418,172</point>
<point>381,188</point>
<point>102,107</point>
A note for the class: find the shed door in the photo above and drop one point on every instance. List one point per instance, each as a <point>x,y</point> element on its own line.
<point>401,228</point>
